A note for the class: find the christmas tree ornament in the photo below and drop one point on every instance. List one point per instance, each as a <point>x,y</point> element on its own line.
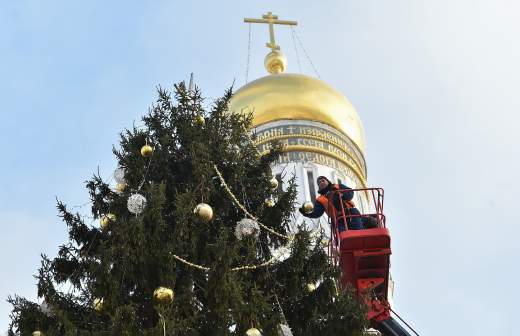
<point>45,308</point>
<point>311,287</point>
<point>136,204</point>
<point>284,330</point>
<point>119,175</point>
<point>325,243</point>
<point>163,294</point>
<point>106,219</point>
<point>120,187</point>
<point>269,203</point>
<point>273,183</point>
<point>200,120</point>
<point>308,207</point>
<point>103,223</point>
<point>203,212</point>
<point>98,304</point>
<point>37,333</point>
<point>253,332</point>
<point>247,228</point>
<point>146,150</point>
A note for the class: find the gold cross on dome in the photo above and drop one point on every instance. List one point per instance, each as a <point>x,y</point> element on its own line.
<point>271,19</point>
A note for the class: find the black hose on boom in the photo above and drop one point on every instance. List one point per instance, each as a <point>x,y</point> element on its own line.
<point>391,327</point>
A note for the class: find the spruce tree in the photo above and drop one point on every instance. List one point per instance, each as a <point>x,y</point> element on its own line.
<point>224,280</point>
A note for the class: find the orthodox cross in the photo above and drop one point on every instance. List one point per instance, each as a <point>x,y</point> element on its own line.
<point>271,19</point>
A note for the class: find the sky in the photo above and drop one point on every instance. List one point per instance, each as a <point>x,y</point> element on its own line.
<point>434,82</point>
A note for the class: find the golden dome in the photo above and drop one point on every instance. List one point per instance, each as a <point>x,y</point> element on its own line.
<point>285,96</point>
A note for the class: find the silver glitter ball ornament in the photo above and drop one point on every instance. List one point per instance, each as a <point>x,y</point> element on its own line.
<point>247,227</point>
<point>136,204</point>
<point>119,175</point>
<point>45,308</point>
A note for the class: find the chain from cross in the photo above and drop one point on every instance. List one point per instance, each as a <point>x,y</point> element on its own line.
<point>271,19</point>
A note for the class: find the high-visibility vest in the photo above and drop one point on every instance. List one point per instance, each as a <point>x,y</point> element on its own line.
<point>332,211</point>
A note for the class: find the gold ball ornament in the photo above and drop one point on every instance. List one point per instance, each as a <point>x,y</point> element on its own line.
<point>37,333</point>
<point>269,203</point>
<point>120,187</point>
<point>146,150</point>
<point>311,287</point>
<point>106,219</point>
<point>253,332</point>
<point>163,294</point>
<point>273,183</point>
<point>200,120</point>
<point>203,212</point>
<point>307,207</point>
<point>98,304</point>
<point>325,243</point>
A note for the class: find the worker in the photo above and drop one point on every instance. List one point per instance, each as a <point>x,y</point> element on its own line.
<point>328,197</point>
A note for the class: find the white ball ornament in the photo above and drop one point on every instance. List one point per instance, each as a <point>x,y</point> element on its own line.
<point>136,204</point>
<point>253,332</point>
<point>45,308</point>
<point>204,212</point>
<point>247,228</point>
<point>119,175</point>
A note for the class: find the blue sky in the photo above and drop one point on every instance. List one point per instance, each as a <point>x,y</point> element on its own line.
<point>435,84</point>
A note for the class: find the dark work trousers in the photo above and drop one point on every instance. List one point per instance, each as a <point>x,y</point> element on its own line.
<point>353,223</point>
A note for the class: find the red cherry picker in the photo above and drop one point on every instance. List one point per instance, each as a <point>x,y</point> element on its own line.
<point>364,259</point>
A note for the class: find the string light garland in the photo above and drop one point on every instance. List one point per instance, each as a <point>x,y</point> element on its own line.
<point>184,261</point>
<point>279,253</point>
<point>247,227</point>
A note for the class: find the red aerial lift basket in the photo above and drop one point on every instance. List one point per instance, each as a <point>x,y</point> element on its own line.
<point>364,255</point>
